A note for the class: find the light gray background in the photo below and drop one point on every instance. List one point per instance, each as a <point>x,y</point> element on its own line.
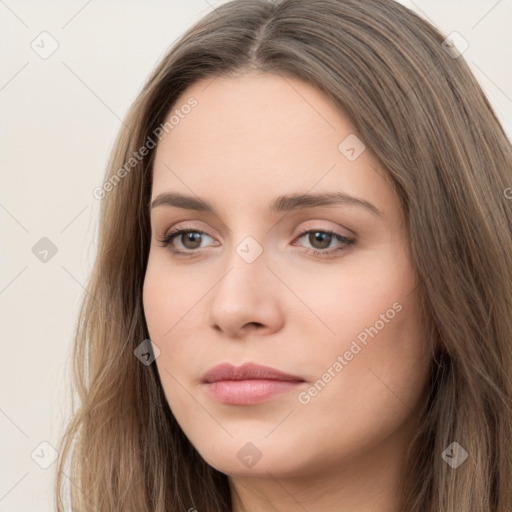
<point>59,118</point>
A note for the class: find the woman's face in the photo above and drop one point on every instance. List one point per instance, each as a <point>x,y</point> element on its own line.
<point>244,285</point>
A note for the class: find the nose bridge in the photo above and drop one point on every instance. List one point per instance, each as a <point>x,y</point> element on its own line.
<point>249,250</point>
<point>248,241</point>
<point>246,266</point>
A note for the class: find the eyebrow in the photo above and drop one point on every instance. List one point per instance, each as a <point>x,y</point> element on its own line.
<point>280,204</point>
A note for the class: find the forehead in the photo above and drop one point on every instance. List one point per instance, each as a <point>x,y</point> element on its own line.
<point>258,135</point>
<point>261,109</point>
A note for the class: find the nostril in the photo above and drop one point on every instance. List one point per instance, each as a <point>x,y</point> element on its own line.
<point>254,324</point>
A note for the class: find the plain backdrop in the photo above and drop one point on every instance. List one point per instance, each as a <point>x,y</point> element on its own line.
<point>59,116</point>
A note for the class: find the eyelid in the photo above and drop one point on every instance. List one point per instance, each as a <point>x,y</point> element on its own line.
<point>184,226</point>
<point>313,226</point>
<point>309,225</point>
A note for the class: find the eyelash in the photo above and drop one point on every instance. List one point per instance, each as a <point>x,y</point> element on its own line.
<point>168,238</point>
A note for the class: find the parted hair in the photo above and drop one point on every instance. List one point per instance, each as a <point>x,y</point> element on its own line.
<point>422,113</point>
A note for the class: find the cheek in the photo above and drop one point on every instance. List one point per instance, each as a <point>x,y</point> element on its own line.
<point>370,377</point>
<point>378,363</point>
<point>168,308</point>
<point>363,293</point>
<point>372,345</point>
<point>168,297</point>
<point>174,308</point>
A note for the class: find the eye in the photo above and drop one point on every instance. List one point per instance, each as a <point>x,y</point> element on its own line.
<point>190,242</point>
<point>321,240</point>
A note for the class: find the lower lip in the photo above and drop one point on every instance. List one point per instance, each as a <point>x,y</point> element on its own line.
<point>248,392</point>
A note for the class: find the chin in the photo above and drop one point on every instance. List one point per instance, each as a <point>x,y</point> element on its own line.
<point>246,458</point>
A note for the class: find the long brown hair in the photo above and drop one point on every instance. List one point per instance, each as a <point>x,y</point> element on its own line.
<point>424,116</point>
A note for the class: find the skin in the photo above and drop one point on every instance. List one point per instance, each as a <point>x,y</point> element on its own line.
<point>249,139</point>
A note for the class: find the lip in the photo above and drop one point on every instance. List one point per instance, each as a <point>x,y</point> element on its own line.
<point>247,371</point>
<point>247,384</point>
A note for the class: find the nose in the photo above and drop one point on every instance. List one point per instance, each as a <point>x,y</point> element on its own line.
<point>246,299</point>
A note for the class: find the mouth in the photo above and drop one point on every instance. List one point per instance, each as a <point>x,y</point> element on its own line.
<point>248,384</point>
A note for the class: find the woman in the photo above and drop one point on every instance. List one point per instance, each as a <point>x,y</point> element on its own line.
<point>302,293</point>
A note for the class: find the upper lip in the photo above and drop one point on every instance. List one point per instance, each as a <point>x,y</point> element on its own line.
<point>247,371</point>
